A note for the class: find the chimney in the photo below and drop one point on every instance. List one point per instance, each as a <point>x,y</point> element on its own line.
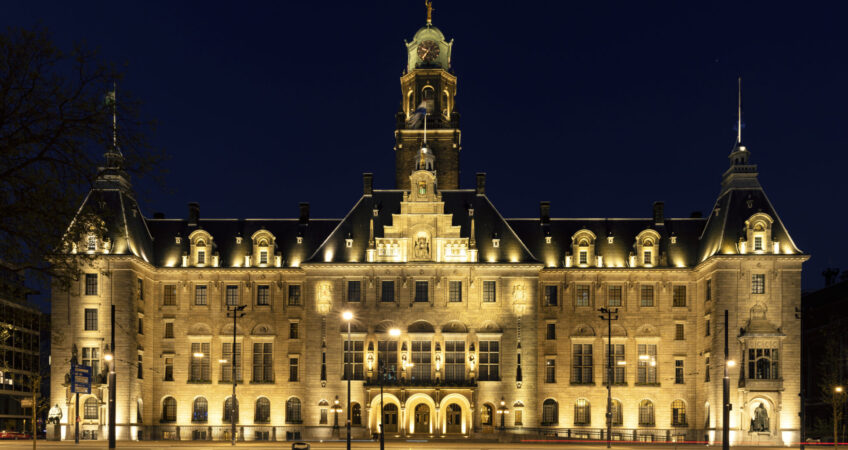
<point>481,183</point>
<point>545,212</point>
<point>658,213</point>
<point>193,213</point>
<point>304,213</point>
<point>368,183</point>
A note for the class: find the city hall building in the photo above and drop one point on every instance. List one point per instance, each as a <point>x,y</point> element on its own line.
<point>474,324</point>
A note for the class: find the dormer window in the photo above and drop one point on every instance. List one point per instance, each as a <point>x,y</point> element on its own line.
<point>758,243</point>
<point>201,248</point>
<point>647,243</point>
<point>263,245</point>
<point>647,258</point>
<point>584,257</point>
<point>422,188</point>
<point>757,237</point>
<point>91,243</point>
<point>263,257</point>
<point>201,257</point>
<point>583,246</point>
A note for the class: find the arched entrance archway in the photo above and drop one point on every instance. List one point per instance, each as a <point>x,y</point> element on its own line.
<point>421,415</point>
<point>374,412</point>
<point>455,415</point>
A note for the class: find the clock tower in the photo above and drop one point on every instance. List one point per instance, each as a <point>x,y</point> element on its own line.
<point>427,110</point>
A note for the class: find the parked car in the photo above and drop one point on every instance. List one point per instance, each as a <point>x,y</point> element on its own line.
<point>300,446</point>
<point>14,435</point>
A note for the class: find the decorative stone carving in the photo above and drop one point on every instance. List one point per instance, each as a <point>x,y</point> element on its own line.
<point>518,292</point>
<point>760,421</point>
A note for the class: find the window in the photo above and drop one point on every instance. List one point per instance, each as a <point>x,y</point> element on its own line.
<point>583,257</point>
<point>169,409</point>
<point>141,325</point>
<point>647,298</point>
<point>550,370</point>
<point>91,243</point>
<point>263,362</point>
<point>615,411</point>
<point>455,291</point>
<point>758,283</point>
<point>581,364</point>
<point>679,332</point>
<point>91,358</point>
<point>353,358</point>
<point>489,295</point>
<point>678,413</point>
<point>422,291</point>
<point>709,289</point>
<point>263,257</point>
<point>200,410</point>
<point>581,293</point>
<point>647,370</point>
<point>90,319</point>
<point>551,295</point>
<point>354,291</point>
<point>707,367</point>
<point>421,358</point>
<point>614,296</point>
<point>91,408</point>
<point>169,368</point>
<point>618,368</point>
<point>262,294</point>
<point>758,243</point>
<point>582,414</point>
<point>293,330</point>
<point>200,370</point>
<point>200,295</point>
<point>388,356</point>
<point>486,415</point>
<point>678,371</point>
<point>293,369</point>
<point>140,289</point>
<point>519,417</point>
<point>91,284</point>
<point>169,330</point>
<point>707,325</point>
<point>169,297</point>
<point>140,374</point>
<point>294,295</point>
<point>229,414</point>
<point>355,414</point>
<point>763,364</point>
<point>323,420</point>
<point>387,291</point>
<point>646,413</point>
<point>489,361</point>
<point>263,411</point>
<point>454,360</point>
<point>550,412</point>
<point>293,411</point>
<point>232,295</point>
<point>679,296</point>
<point>551,332</point>
<point>229,360</point>
<point>646,258</point>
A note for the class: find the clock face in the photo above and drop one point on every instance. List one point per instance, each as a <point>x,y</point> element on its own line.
<point>428,51</point>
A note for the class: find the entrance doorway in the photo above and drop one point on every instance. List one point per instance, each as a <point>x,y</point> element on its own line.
<point>390,418</point>
<point>454,419</point>
<point>421,419</point>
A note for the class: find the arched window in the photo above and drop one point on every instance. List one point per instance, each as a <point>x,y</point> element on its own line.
<point>582,413</point>
<point>169,409</point>
<point>91,408</point>
<point>615,409</point>
<point>228,410</point>
<point>678,413</point>
<point>200,410</point>
<point>583,248</point>
<point>706,415</point>
<point>486,415</point>
<point>356,414</point>
<point>139,410</point>
<point>293,411</point>
<point>646,413</point>
<point>263,411</point>
<point>550,412</point>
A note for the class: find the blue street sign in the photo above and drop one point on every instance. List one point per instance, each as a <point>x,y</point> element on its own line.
<point>80,379</point>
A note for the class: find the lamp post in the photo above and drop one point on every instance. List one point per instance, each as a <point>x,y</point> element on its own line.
<point>348,316</point>
<point>503,411</point>
<point>836,391</point>
<point>725,413</point>
<point>234,311</point>
<point>609,318</point>
<point>336,410</point>
<point>394,332</point>
<point>112,387</point>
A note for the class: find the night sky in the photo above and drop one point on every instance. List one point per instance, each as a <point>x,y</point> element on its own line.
<point>600,108</point>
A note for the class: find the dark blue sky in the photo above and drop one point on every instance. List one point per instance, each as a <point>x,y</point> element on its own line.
<point>599,107</point>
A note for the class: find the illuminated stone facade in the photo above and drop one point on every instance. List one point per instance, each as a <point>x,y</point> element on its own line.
<point>498,318</point>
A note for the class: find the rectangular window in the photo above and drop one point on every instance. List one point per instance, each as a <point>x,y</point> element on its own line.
<point>200,370</point>
<point>679,296</point>
<point>455,291</point>
<point>91,284</point>
<point>90,319</point>
<point>229,359</point>
<point>581,293</point>
<point>679,332</point>
<point>169,330</point>
<point>647,370</point>
<point>454,360</point>
<point>581,364</point>
<point>551,296</point>
<point>519,417</point>
<point>140,373</point>
<point>294,295</point>
<point>263,257</point>
<point>323,419</point>
<point>763,364</point>
<point>388,357</point>
<point>293,330</point>
<point>614,296</point>
<point>647,258</point>
<point>550,370</point>
<point>354,291</point>
<point>293,369</point>
<point>169,296</point>
<point>169,369</point>
<point>758,283</point>
<point>353,358</point>
<point>678,371</point>
<point>232,295</point>
<point>618,367</point>
<point>706,367</point>
<point>489,361</point>
<point>421,360</point>
<point>141,325</point>
<point>758,243</point>
<point>489,293</point>
<point>550,333</point>
<point>201,257</point>
<point>707,325</point>
<point>387,291</point>
<point>584,257</point>
<point>140,289</point>
<point>262,294</point>
<point>200,295</point>
<point>91,358</point>
<point>647,298</point>
<point>709,289</point>
<point>422,291</point>
<point>263,362</point>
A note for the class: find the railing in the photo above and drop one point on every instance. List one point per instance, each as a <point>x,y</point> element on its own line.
<point>422,383</point>
<point>223,432</point>
<point>618,434</point>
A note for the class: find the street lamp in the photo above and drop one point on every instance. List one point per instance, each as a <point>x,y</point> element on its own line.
<point>393,332</point>
<point>336,410</point>
<point>609,318</point>
<point>836,391</point>
<point>234,311</point>
<point>503,411</point>
<point>348,316</point>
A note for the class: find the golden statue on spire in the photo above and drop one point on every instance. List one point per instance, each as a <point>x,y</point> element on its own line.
<point>429,5</point>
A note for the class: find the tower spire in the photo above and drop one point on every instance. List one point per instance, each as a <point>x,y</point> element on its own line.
<point>739,114</point>
<point>429,5</point>
<point>112,173</point>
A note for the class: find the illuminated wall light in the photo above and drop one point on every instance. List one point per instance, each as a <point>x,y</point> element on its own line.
<point>328,255</point>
